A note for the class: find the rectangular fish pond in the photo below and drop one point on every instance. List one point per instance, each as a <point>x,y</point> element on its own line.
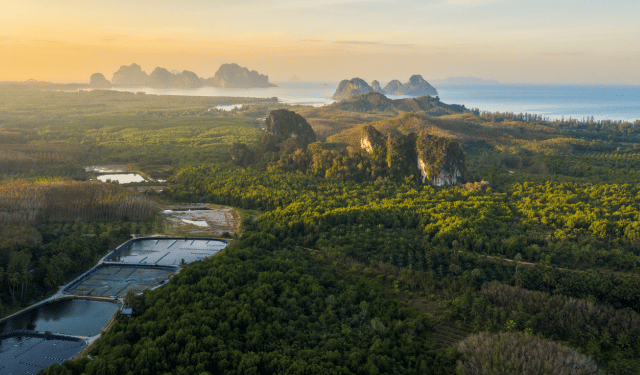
<point>43,335</point>
<point>115,280</point>
<point>77,317</point>
<point>28,353</point>
<point>165,251</point>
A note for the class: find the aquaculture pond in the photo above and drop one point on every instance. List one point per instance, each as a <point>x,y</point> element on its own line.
<point>167,251</point>
<point>28,355</point>
<point>109,280</point>
<point>77,317</point>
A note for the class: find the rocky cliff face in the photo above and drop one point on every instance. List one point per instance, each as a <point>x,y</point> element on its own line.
<point>286,124</point>
<point>163,79</point>
<point>372,140</point>
<point>435,160</point>
<point>97,80</point>
<point>189,80</point>
<point>440,161</point>
<point>392,86</point>
<point>131,75</point>
<point>375,85</point>
<point>416,86</point>
<point>235,76</point>
<point>354,87</point>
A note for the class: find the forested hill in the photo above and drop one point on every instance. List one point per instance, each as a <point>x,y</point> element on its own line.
<point>465,128</point>
<point>377,102</point>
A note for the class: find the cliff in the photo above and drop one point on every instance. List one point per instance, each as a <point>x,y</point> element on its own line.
<point>416,86</point>
<point>375,85</point>
<point>164,79</point>
<point>440,161</point>
<point>189,80</point>
<point>131,75</point>
<point>286,124</point>
<point>437,161</point>
<point>349,88</point>
<point>161,78</point>
<point>235,76</point>
<point>372,141</point>
<point>392,86</point>
<point>97,80</point>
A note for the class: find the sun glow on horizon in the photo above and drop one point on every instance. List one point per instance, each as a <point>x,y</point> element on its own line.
<point>511,41</point>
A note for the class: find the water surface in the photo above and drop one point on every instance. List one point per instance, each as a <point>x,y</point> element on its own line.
<point>28,355</point>
<point>122,178</point>
<point>552,101</point>
<point>78,317</point>
<point>168,252</point>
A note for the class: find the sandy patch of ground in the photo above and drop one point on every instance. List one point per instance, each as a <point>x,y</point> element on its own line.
<point>214,219</point>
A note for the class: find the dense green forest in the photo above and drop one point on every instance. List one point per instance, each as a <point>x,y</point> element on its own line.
<point>351,266</point>
<point>51,231</point>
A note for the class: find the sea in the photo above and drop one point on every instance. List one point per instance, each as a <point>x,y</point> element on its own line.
<point>616,103</point>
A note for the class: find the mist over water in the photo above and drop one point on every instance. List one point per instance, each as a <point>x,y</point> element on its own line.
<point>307,93</point>
<point>551,101</point>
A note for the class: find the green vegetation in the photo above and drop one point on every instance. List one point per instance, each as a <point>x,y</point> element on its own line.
<point>53,134</point>
<point>512,353</point>
<point>263,309</point>
<point>457,239</point>
<point>351,266</point>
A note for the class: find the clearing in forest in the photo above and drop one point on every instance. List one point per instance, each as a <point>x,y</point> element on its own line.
<point>200,220</point>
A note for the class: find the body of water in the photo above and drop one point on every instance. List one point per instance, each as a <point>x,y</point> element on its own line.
<point>124,178</point>
<point>307,93</point>
<point>168,252</point>
<point>552,101</point>
<point>28,355</point>
<point>78,317</point>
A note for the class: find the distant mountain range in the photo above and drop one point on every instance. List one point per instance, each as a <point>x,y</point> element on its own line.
<point>465,81</point>
<point>227,76</point>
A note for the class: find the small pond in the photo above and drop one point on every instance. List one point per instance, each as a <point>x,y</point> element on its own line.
<point>28,355</point>
<point>78,317</point>
<point>122,178</point>
<point>228,107</point>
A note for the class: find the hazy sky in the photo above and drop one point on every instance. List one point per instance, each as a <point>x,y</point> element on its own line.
<point>533,41</point>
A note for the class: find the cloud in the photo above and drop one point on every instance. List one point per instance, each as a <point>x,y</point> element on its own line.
<point>559,54</point>
<point>379,44</point>
<point>323,3</point>
<point>471,2</point>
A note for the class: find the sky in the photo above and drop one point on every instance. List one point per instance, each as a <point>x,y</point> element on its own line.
<point>512,41</point>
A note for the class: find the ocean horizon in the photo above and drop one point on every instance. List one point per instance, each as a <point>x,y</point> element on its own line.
<point>552,101</point>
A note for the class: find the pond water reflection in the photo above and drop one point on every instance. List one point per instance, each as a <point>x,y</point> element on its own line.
<point>28,355</point>
<point>78,317</point>
<point>168,251</point>
<point>122,178</point>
